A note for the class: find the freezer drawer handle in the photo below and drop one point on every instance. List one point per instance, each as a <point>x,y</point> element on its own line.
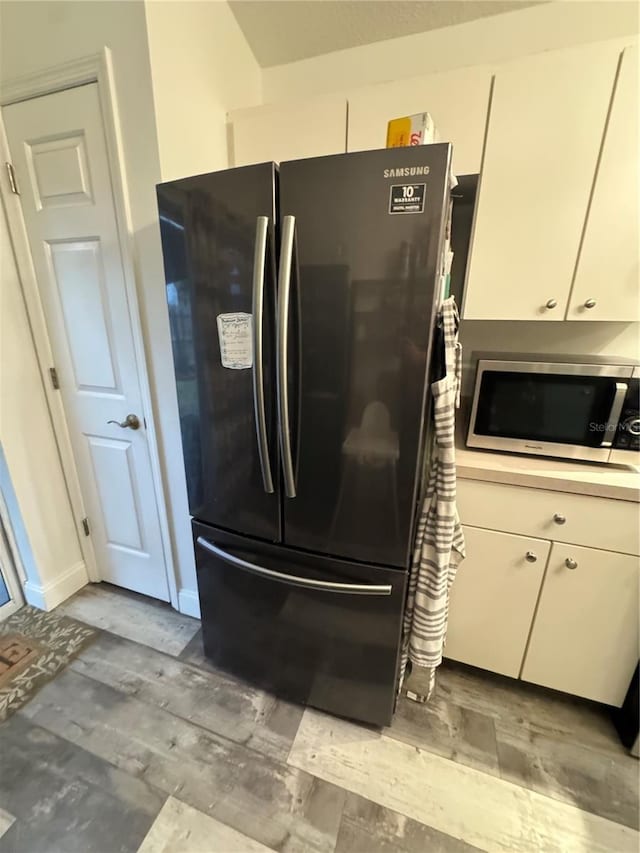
<point>294,580</point>
<point>259,258</point>
<point>282,336</point>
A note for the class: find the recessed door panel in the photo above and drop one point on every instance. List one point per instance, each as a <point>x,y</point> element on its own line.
<point>114,471</point>
<point>78,272</point>
<point>59,171</point>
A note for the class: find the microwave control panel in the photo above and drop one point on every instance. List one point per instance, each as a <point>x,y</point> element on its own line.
<point>628,432</point>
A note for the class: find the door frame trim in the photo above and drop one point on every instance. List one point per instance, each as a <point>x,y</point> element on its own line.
<point>95,68</point>
<point>14,574</point>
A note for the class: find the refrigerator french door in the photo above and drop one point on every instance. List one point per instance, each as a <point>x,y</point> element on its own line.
<point>212,228</point>
<point>304,457</point>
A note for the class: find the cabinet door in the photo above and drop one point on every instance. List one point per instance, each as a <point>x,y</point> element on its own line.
<point>606,283</point>
<point>493,599</point>
<point>585,635</point>
<point>545,128</point>
<point>289,131</point>
<point>458,102</point>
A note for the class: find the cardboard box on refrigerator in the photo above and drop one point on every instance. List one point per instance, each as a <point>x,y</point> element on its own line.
<point>417,129</point>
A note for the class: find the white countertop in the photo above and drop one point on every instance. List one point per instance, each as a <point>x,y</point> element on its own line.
<point>581,478</point>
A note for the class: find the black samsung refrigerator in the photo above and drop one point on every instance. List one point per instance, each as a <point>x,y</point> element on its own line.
<point>301,302</point>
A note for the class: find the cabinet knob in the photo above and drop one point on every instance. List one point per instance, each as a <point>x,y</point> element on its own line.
<point>551,303</point>
<point>531,557</point>
<point>559,518</point>
<point>590,303</point>
<point>570,563</point>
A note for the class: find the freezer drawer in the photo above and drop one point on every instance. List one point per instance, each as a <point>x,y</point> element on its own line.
<point>311,629</point>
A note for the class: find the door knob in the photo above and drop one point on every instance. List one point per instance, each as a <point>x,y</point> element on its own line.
<point>531,557</point>
<point>570,563</point>
<point>551,303</point>
<point>131,421</point>
<point>590,303</point>
<point>559,519</point>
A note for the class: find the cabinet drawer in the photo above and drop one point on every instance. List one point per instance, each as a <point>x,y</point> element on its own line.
<point>585,635</point>
<point>595,522</point>
<point>493,599</point>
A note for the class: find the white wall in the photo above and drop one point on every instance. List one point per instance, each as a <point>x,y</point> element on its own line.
<point>201,67</point>
<point>488,40</point>
<point>36,35</point>
<point>41,513</point>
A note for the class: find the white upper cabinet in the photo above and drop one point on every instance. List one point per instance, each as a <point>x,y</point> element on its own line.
<point>289,131</point>
<point>546,124</point>
<point>607,283</point>
<point>458,102</point>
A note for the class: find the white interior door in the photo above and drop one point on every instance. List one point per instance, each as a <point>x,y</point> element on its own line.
<point>60,158</point>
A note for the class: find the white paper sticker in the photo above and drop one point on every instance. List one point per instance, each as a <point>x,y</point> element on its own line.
<point>235,333</point>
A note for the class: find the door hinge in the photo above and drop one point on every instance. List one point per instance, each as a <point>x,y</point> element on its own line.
<point>53,373</point>
<point>12,179</point>
<point>85,526</point>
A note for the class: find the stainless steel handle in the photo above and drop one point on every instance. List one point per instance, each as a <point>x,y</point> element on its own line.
<point>559,519</point>
<point>531,557</point>
<point>570,563</point>
<point>614,415</point>
<point>590,303</point>
<point>551,303</point>
<point>294,580</point>
<point>259,259</point>
<point>282,339</point>
<point>131,421</point>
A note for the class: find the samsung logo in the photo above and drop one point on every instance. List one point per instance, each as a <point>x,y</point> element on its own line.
<point>406,172</point>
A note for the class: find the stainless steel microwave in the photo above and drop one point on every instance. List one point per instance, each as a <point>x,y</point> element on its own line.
<point>573,407</point>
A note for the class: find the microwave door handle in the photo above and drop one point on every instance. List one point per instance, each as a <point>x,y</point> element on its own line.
<point>614,415</point>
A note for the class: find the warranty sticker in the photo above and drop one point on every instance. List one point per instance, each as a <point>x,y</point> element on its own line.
<point>407,198</point>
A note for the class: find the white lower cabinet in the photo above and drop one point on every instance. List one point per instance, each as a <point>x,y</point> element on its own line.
<point>493,599</point>
<point>585,635</point>
<point>561,614</point>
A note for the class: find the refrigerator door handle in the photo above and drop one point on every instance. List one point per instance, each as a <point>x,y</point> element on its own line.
<point>259,259</point>
<point>282,336</point>
<point>295,580</point>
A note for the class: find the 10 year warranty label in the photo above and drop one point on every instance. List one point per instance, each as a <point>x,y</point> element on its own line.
<point>407,198</point>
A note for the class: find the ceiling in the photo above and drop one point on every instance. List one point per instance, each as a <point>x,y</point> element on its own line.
<point>280,31</point>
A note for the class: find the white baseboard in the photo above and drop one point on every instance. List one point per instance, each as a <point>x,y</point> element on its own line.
<point>49,595</point>
<point>189,603</point>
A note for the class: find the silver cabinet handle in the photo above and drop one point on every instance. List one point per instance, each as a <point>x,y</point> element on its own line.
<point>294,580</point>
<point>559,519</point>
<point>614,415</point>
<point>570,563</point>
<point>531,557</point>
<point>590,303</point>
<point>282,341</point>
<point>131,421</point>
<point>259,258</point>
<point>551,303</point>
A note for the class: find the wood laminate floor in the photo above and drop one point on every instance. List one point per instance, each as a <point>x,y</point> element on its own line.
<point>141,744</point>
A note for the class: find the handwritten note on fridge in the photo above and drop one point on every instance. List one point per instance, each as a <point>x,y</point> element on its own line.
<point>235,333</point>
